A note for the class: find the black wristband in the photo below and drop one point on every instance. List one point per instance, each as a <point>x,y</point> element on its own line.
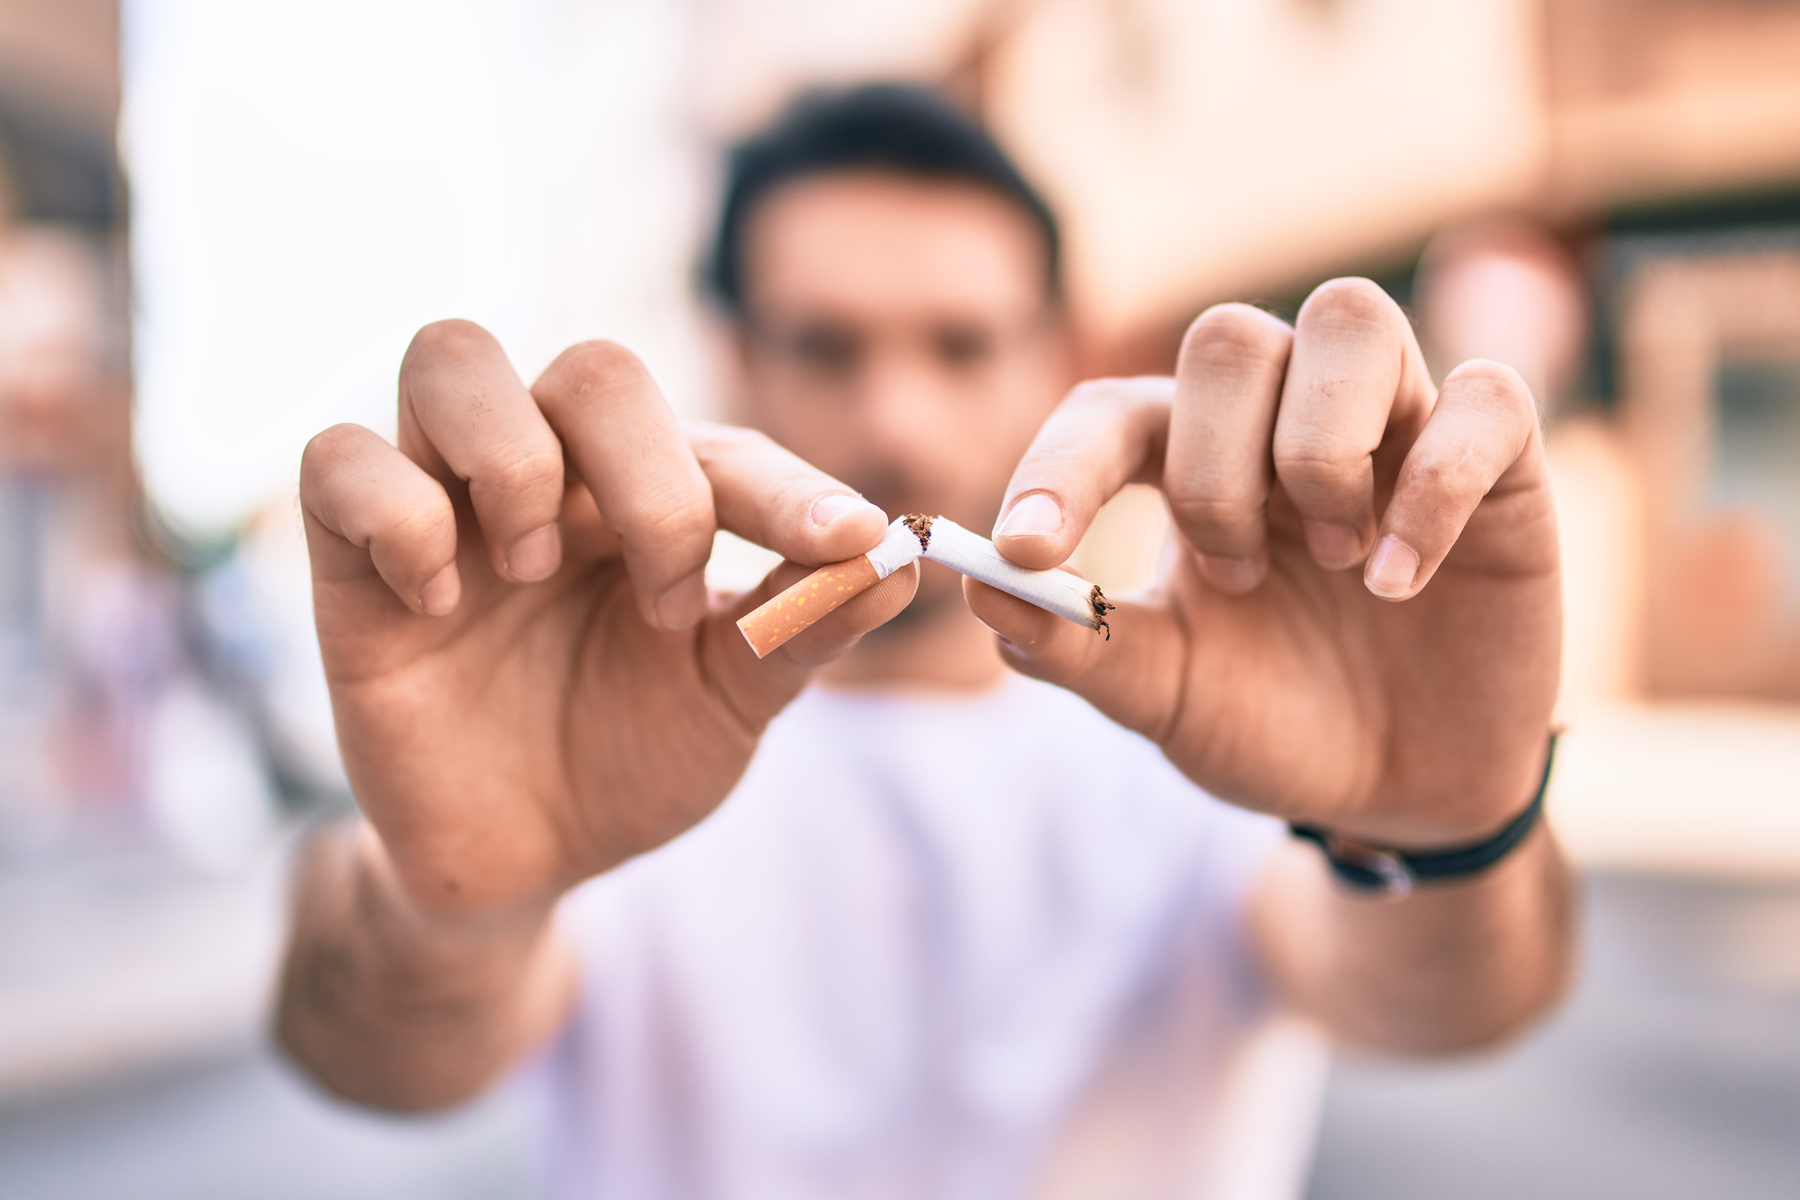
<point>1394,872</point>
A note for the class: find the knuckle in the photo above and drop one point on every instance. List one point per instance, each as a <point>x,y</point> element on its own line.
<point>591,375</point>
<point>329,454</point>
<point>1447,475</point>
<point>1495,386</point>
<point>1106,413</point>
<point>398,520</point>
<point>592,365</point>
<point>1219,512</point>
<point>416,520</point>
<point>1352,303</point>
<point>1113,395</point>
<point>521,473</point>
<point>600,355</point>
<point>1312,451</point>
<point>711,441</point>
<point>1057,469</point>
<point>675,519</point>
<point>1229,333</point>
<point>1092,394</point>
<point>451,338</point>
<point>327,448</point>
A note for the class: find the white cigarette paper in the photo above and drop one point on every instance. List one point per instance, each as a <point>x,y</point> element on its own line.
<point>898,547</point>
<point>1067,595</point>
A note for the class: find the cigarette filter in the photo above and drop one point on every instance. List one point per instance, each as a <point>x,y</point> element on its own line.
<point>1065,594</point>
<point>772,624</point>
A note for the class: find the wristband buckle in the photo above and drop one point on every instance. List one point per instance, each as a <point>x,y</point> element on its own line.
<point>1369,868</point>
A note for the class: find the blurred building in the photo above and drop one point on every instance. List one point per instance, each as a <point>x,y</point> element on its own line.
<point>1209,151</point>
<point>141,760</point>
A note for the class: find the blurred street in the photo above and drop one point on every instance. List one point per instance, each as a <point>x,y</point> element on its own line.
<point>133,1058</point>
<point>247,1128</point>
<point>1674,1072</point>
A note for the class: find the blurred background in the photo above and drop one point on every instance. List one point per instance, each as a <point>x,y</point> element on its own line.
<point>221,222</point>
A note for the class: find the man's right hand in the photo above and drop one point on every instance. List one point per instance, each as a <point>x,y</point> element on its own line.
<point>529,683</point>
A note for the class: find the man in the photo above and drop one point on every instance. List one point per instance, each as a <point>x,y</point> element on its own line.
<point>943,904</point>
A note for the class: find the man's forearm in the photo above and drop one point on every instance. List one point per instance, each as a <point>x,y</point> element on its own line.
<point>387,1005</point>
<point>1454,966</point>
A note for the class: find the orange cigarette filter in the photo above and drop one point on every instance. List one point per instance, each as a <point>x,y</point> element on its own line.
<point>803,604</point>
<point>797,608</point>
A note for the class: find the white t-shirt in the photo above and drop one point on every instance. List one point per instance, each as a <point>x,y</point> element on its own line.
<point>930,947</point>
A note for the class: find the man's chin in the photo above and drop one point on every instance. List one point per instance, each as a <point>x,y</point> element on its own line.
<point>934,600</point>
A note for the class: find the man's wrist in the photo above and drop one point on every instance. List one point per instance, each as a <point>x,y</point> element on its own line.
<point>393,1005</point>
<point>360,944</point>
<point>1394,872</point>
<point>389,903</point>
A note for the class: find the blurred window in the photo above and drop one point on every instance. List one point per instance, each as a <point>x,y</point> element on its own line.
<point>1756,449</point>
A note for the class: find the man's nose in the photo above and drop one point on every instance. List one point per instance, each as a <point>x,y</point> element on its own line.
<point>903,405</point>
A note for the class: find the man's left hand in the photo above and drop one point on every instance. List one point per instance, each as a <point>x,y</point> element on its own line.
<point>1362,625</point>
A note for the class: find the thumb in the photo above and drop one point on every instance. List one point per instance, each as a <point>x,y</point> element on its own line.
<point>1133,675</point>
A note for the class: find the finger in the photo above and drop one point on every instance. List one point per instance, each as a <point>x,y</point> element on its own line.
<point>772,497</point>
<point>634,458</point>
<point>759,688</point>
<point>1107,433</point>
<point>369,506</point>
<point>462,403</point>
<point>1355,367</point>
<point>1219,471</point>
<point>1482,439</point>
<point>1130,676</point>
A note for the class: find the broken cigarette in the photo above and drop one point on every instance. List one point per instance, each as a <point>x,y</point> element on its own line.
<point>772,624</point>
<point>912,537</point>
<point>1067,595</point>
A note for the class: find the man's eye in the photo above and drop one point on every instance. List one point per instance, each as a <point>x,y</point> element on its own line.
<point>963,347</point>
<point>824,349</point>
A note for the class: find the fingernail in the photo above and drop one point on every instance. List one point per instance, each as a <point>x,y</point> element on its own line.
<point>1333,546</point>
<point>683,604</point>
<point>1392,569</point>
<point>536,555</point>
<point>438,598</point>
<point>829,509</point>
<point>1234,576</point>
<point>1036,515</point>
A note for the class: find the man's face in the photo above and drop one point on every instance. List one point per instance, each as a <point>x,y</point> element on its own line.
<point>898,334</point>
